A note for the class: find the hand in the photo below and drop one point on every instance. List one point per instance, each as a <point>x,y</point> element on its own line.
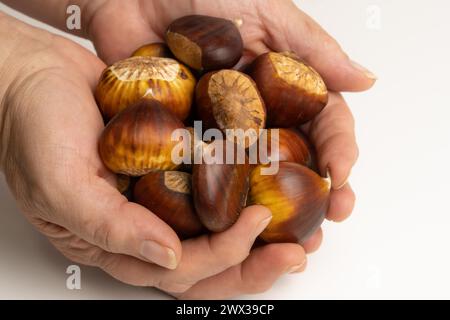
<point>49,156</point>
<point>267,25</point>
<point>50,126</point>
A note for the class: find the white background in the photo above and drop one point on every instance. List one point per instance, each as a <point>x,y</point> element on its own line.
<point>396,244</point>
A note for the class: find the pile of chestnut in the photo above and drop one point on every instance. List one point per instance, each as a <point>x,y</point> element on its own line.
<point>167,86</point>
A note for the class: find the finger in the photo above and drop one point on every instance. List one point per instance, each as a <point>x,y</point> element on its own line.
<point>209,255</point>
<point>301,34</point>
<point>103,217</point>
<point>202,257</point>
<point>342,202</point>
<point>333,135</point>
<point>255,275</point>
<point>313,243</point>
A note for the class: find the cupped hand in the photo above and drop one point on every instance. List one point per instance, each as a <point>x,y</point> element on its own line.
<point>49,156</point>
<point>50,133</point>
<point>276,25</point>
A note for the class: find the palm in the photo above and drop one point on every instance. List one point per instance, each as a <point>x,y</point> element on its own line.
<point>56,132</point>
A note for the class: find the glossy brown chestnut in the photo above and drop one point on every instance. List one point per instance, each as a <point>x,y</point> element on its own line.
<point>292,90</point>
<point>205,43</point>
<point>138,140</point>
<point>229,99</point>
<point>196,143</point>
<point>293,146</point>
<point>220,192</point>
<point>297,197</point>
<point>157,49</point>
<point>129,80</point>
<point>168,195</point>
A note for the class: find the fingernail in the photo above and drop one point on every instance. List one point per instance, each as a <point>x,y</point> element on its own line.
<point>261,226</point>
<point>156,253</point>
<point>367,73</point>
<point>296,268</point>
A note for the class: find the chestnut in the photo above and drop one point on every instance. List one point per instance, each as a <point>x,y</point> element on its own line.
<point>129,80</point>
<point>138,140</point>
<point>293,146</point>
<point>220,191</point>
<point>292,90</point>
<point>205,43</point>
<point>168,195</point>
<point>196,145</point>
<point>297,197</point>
<point>229,99</point>
<point>157,49</point>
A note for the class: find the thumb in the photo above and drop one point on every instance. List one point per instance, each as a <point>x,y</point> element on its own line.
<point>103,217</point>
<point>299,33</point>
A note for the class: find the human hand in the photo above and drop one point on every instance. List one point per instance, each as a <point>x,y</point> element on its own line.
<point>267,25</point>
<point>85,209</point>
<point>50,126</point>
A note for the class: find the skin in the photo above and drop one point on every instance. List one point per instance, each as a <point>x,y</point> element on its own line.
<point>50,126</point>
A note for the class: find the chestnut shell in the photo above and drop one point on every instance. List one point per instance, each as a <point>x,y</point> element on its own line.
<point>205,43</point>
<point>293,91</point>
<point>156,49</point>
<point>297,197</point>
<point>293,146</point>
<point>135,78</point>
<point>138,140</point>
<point>220,192</point>
<point>168,195</point>
<point>229,99</point>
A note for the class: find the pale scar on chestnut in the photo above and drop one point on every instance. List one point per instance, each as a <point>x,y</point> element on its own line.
<point>145,68</point>
<point>177,181</point>
<point>236,103</point>
<point>185,49</point>
<point>298,74</point>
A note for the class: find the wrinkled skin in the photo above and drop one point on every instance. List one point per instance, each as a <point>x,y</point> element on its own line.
<point>51,126</point>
